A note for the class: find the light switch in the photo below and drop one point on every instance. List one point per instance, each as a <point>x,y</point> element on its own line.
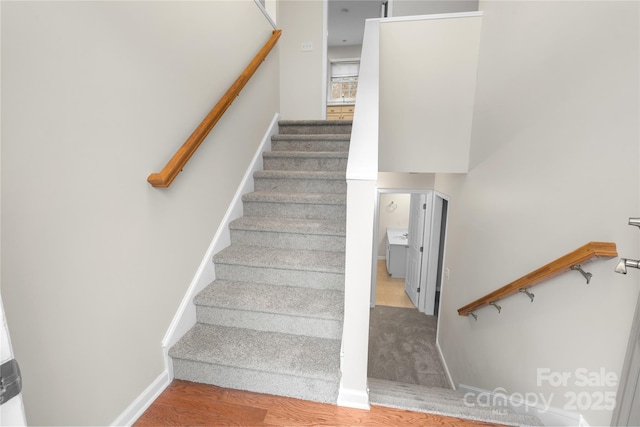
<point>306,46</point>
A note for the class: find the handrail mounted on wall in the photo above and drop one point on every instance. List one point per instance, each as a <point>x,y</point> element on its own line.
<point>182,156</point>
<point>570,261</point>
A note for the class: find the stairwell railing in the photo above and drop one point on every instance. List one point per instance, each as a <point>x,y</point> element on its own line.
<point>165,177</point>
<point>571,261</point>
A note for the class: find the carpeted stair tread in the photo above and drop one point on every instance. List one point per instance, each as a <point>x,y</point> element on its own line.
<point>307,154</point>
<point>302,142</point>
<point>279,174</point>
<point>300,198</point>
<point>273,352</point>
<point>306,160</point>
<point>290,225</point>
<point>315,127</point>
<point>313,122</point>
<point>280,299</point>
<point>312,137</point>
<point>442,402</point>
<point>413,390</point>
<point>301,181</point>
<point>273,258</point>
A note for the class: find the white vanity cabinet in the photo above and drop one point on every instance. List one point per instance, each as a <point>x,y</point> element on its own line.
<point>397,245</point>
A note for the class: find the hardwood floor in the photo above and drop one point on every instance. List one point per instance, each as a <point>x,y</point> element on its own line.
<point>185,403</point>
<point>390,290</point>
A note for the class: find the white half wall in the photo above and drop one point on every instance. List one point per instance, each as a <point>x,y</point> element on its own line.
<point>428,7</point>
<point>95,261</point>
<point>555,164</point>
<point>427,86</point>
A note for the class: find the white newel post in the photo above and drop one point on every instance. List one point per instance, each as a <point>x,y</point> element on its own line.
<point>362,176</point>
<point>359,246</point>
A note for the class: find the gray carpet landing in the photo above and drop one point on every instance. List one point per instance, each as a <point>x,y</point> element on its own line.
<point>405,370</point>
<point>272,320</point>
<point>402,347</point>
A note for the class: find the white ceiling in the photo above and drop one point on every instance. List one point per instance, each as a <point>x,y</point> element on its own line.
<point>347,28</point>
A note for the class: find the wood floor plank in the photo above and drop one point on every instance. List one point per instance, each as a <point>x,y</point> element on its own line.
<point>170,415</point>
<point>199,397</point>
<point>190,404</point>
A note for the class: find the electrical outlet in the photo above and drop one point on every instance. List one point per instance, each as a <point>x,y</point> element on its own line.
<point>447,273</point>
<point>306,46</point>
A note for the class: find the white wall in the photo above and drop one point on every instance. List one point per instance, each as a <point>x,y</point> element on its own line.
<point>554,166</point>
<point>427,86</point>
<point>350,51</point>
<point>301,72</point>
<point>427,7</point>
<point>95,96</point>
<point>406,181</point>
<point>390,216</point>
<point>399,182</point>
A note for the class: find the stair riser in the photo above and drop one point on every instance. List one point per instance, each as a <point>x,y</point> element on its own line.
<point>301,185</point>
<point>337,128</point>
<point>276,276</point>
<point>291,145</point>
<point>316,390</point>
<point>295,210</point>
<point>305,164</point>
<point>281,240</point>
<point>296,325</point>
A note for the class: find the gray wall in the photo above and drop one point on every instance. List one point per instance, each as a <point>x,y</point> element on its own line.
<point>95,96</point>
<point>554,165</point>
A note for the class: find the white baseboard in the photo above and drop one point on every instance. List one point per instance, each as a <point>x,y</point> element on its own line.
<point>548,416</point>
<point>143,401</point>
<point>185,317</point>
<point>353,398</point>
<point>444,365</point>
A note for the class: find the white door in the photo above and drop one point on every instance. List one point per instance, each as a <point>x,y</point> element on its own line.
<point>417,218</point>
<point>433,231</point>
<point>12,410</point>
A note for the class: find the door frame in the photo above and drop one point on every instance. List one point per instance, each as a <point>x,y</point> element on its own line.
<point>627,394</point>
<point>376,236</point>
<point>436,281</point>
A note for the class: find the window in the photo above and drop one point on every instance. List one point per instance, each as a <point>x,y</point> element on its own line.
<point>344,81</point>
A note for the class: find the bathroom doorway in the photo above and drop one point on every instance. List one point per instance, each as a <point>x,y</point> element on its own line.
<point>410,233</point>
<point>409,241</point>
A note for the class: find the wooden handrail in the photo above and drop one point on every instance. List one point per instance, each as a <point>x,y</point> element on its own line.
<point>581,255</point>
<point>182,156</point>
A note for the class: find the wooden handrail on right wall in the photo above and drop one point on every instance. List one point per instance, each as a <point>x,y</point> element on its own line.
<point>581,255</point>
<point>184,153</point>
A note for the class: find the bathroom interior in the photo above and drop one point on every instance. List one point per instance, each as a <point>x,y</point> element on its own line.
<point>392,245</point>
<point>392,248</point>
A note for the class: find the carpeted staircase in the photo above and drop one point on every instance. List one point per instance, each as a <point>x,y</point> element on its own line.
<point>271,322</point>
